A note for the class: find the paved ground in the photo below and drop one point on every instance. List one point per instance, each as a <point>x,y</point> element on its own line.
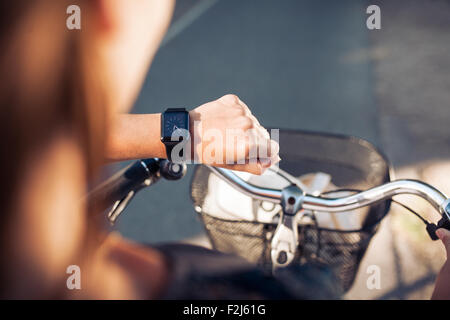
<point>411,68</point>
<point>314,65</point>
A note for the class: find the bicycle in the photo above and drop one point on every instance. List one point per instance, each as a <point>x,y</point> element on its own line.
<point>288,227</point>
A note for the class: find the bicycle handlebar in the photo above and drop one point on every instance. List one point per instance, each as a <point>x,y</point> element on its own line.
<point>120,184</point>
<point>120,188</point>
<point>293,199</point>
<point>436,198</point>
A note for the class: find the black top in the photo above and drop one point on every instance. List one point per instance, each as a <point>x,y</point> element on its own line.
<point>199,273</point>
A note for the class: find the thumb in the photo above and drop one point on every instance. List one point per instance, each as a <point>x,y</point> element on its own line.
<point>444,235</point>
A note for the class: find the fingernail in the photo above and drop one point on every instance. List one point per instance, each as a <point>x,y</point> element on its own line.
<point>274,160</point>
<point>265,162</point>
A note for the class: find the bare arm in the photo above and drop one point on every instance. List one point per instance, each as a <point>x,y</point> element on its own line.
<point>135,136</point>
<point>138,136</point>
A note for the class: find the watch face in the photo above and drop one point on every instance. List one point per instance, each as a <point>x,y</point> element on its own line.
<point>173,121</point>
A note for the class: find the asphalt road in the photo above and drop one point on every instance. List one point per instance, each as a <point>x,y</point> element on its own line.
<point>295,63</point>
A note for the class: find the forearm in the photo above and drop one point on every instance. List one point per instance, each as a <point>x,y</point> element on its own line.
<point>135,136</point>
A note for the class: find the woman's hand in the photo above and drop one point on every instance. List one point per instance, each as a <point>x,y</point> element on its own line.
<point>224,133</point>
<point>442,288</point>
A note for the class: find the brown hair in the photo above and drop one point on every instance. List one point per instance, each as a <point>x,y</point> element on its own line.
<point>50,82</point>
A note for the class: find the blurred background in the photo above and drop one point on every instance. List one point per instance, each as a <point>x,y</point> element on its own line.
<point>314,65</point>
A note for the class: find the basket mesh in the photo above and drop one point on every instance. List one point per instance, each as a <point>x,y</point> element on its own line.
<point>340,250</point>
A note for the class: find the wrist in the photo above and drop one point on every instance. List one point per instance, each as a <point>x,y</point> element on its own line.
<point>195,136</point>
<point>161,148</point>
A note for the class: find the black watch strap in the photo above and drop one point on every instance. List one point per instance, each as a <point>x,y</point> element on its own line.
<point>175,109</point>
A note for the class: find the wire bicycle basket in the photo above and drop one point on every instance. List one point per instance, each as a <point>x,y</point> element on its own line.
<point>243,226</point>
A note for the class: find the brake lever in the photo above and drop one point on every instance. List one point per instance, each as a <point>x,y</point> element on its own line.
<point>443,223</point>
<point>165,168</point>
<point>120,205</point>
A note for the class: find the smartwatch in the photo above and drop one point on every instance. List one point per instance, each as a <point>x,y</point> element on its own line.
<point>175,130</point>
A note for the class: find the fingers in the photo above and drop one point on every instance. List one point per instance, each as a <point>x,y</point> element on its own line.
<point>444,235</point>
<point>254,167</point>
<point>231,136</point>
<point>248,144</point>
<point>263,132</point>
<point>272,146</point>
<point>250,168</point>
<point>261,146</point>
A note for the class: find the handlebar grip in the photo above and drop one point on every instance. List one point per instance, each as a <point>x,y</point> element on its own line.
<point>431,227</point>
<point>444,223</point>
<point>119,185</point>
